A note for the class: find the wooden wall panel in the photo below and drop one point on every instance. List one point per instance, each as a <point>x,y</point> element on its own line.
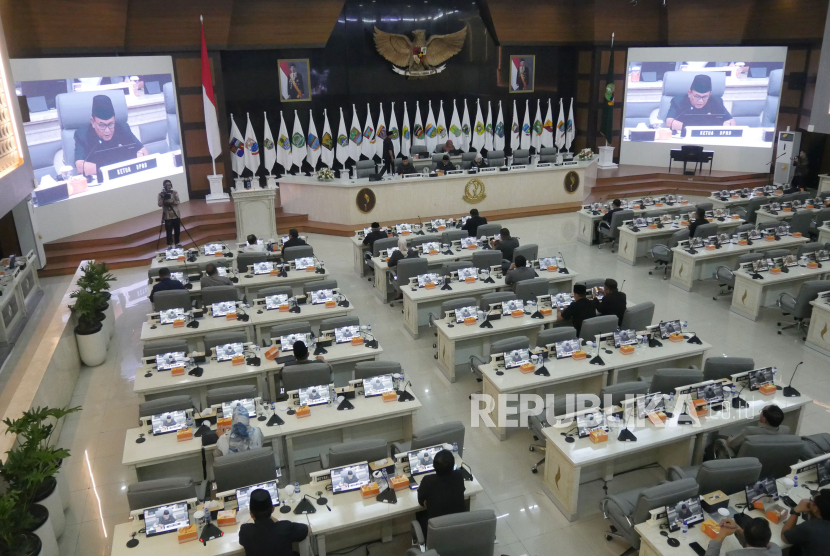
<point>708,22</point>
<point>189,72</point>
<point>775,20</point>
<point>195,141</point>
<point>174,24</point>
<point>270,23</point>
<point>542,21</point>
<point>638,24</point>
<point>192,109</point>
<point>197,175</point>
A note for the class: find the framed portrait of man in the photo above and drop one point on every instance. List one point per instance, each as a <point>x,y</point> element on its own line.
<point>522,73</point>
<point>295,84</point>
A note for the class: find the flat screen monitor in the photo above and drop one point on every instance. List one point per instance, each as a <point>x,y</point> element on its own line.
<point>438,222</point>
<point>464,273</point>
<point>547,262</point>
<point>174,253</point>
<point>229,351</point>
<point>421,461</point>
<point>303,262</point>
<point>378,385</point>
<point>283,239</point>
<point>263,268</point>
<point>391,250</point>
<point>590,422</point>
<point>424,279</point>
<point>243,495</point>
<point>516,358</point>
<point>823,472</point>
<point>711,393</point>
<point>169,316</point>
<point>179,277</point>
<point>350,477</point>
<point>431,246</point>
<point>689,511</point>
<point>213,248</point>
<point>625,337</point>
<point>223,308</point>
<point>467,241</point>
<point>346,333</point>
<point>170,421</point>
<point>287,341</point>
<point>566,348</point>
<point>274,301</point>
<point>562,300</point>
<point>400,228</point>
<point>790,260</point>
<point>507,307</point>
<point>759,377</point>
<point>221,271</point>
<point>640,222</point>
<point>167,361</point>
<point>761,488</point>
<point>670,327</point>
<point>166,519</point>
<point>320,297</point>
<point>248,403</point>
<point>651,403</point>
<point>314,395</point>
<point>465,313</point>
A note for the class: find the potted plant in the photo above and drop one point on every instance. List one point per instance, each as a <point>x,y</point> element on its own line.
<point>96,280</point>
<point>16,538</point>
<point>89,328</point>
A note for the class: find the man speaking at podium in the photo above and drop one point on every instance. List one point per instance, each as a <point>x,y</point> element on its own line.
<point>104,141</point>
<point>699,107</point>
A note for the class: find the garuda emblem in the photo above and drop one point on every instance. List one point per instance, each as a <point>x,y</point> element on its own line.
<point>420,56</point>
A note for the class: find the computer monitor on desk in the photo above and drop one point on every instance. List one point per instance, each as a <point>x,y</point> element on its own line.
<point>170,421</point>
<point>228,351</point>
<point>314,395</point>
<point>566,348</point>
<point>168,361</point>
<point>243,495</point>
<point>275,301</point>
<point>689,511</point>
<point>378,385</point>
<point>516,358</point>
<point>169,316</point>
<point>248,404</point>
<point>166,519</point>
<point>589,422</point>
<point>287,341</point>
<point>223,308</point>
<point>350,477</point>
<point>421,461</point>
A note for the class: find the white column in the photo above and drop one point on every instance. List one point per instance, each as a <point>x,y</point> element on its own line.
<point>255,212</point>
<point>606,157</point>
<point>217,193</point>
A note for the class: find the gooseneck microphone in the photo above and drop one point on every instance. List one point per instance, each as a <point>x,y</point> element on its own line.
<point>789,391</point>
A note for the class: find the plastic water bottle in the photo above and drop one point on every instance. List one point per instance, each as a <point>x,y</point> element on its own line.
<point>795,481</point>
<point>455,449</point>
<point>189,421</point>
<point>685,528</point>
<point>296,489</point>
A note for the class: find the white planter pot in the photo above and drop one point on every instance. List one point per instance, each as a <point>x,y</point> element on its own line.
<point>53,503</point>
<point>63,486</point>
<point>93,347</point>
<point>46,534</point>
<point>110,312</point>
<point>108,327</point>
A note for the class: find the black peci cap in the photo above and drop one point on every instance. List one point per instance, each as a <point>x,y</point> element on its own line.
<point>102,107</point>
<point>702,83</point>
<point>260,500</point>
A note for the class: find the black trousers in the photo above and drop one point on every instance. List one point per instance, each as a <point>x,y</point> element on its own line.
<point>172,229</point>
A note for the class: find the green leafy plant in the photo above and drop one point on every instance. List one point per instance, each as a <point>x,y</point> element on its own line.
<point>86,310</point>
<point>14,524</point>
<point>96,278</point>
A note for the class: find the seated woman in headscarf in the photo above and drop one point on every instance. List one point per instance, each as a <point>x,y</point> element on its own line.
<point>403,252</point>
<point>479,162</point>
<point>241,436</point>
<point>449,148</point>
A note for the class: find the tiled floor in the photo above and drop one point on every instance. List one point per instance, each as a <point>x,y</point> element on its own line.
<point>529,523</point>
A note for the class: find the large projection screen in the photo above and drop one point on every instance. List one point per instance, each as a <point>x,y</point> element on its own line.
<point>727,96</point>
<point>103,135</point>
<point>820,112</point>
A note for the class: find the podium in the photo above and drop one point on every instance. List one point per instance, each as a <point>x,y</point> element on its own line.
<point>255,213</point>
<point>606,157</point>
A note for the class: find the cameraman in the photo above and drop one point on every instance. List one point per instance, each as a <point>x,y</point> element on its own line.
<point>169,201</point>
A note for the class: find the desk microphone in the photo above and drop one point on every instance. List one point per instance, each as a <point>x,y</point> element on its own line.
<point>83,166</point>
<point>403,395</point>
<point>737,401</point>
<point>625,434</point>
<point>623,285</point>
<point>789,391</point>
<point>563,269</point>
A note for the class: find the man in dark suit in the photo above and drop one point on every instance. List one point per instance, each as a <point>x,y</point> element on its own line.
<point>293,239</point>
<point>473,222</point>
<point>165,283</point>
<point>613,301</point>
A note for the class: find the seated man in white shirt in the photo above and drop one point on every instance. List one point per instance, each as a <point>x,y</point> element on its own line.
<point>253,246</point>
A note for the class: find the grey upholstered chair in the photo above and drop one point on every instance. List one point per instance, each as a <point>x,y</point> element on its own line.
<point>553,335</point>
<point>727,475</point>
<point>443,433</point>
<point>668,380</point>
<point>339,455</point>
<point>164,346</point>
<point>495,297</point>
<point>726,276</point>
<point>776,78</point>
<point>548,154</point>
<point>305,376</point>
<point>297,252</point>
<point>815,445</point>
<point>799,307</point>
<point>299,327</point>
<point>275,290</point>
<point>381,245</point>
<point>453,266</point>
<point>239,469</point>
<point>744,228</point>
<point>163,405</point>
<point>369,369</point>
<point>409,268</point>
<point>244,260</point>
<point>217,396</point>
<point>764,226</point>
<point>485,260</point>
<point>339,322</point>
<point>510,344</point>
<point>317,285</point>
<point>226,337</point>
<point>622,390</point>
<point>418,151</point>
<point>365,168</point>
<point>811,247</point>
<point>495,158</point>
<point>611,231</point>
<point>448,236</point>
<point>706,230</point>
<point>172,299</point>
<point>158,492</point>
<point>73,110</point>
<point>530,289</point>
<point>638,316</point>
<point>463,534</point>
<point>800,222</point>
<point>752,207</point>
<point>706,206</point>
<point>819,218</point>
<point>218,294</point>
<point>716,368</point>
<point>776,452</point>
<point>490,229</point>
<point>529,251</point>
<point>538,422</point>
<point>467,160</point>
<point>627,509</point>
<point>598,325</point>
<point>663,254</point>
<point>452,305</point>
<point>521,156</point>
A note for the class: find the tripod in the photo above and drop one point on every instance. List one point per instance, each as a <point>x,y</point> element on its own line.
<point>161,229</point>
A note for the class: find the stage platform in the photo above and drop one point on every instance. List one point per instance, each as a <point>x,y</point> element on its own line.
<point>132,242</point>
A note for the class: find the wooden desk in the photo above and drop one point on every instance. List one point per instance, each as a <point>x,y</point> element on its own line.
<point>750,295</point>
<point>688,268</point>
<point>637,244</point>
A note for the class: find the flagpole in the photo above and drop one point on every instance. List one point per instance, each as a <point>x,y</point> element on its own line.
<point>612,53</point>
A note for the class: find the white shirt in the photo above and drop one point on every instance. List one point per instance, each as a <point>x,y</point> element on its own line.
<point>256,248</point>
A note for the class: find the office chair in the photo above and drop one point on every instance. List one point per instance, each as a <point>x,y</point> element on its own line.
<point>806,248</point>
<point>317,285</point>
<point>448,236</point>
<point>495,297</point>
<point>726,276</point>
<point>627,509</point>
<point>801,196</point>
<point>417,150</point>
<point>306,376</point>
<point>214,339</point>
<point>638,316</point>
<point>454,266</point>
<point>339,322</point>
<point>444,433</point>
<point>464,534</point>
<point>776,77</point>
<point>716,368</point>
<point>799,307</point>
<point>548,154</point>
<point>152,273</point>
<point>611,231</point>
<point>591,282</point>
<point>705,206</point>
<point>299,327</point>
<point>502,346</point>
<point>775,253</point>
<point>678,83</point>
<point>529,251</point>
<point>370,369</point>
<point>164,346</point>
<point>346,453</point>
<point>727,475</point>
<point>655,214</point>
<point>666,381</point>
<point>418,240</point>
<point>819,218</point>
<point>484,260</point>
<point>490,229</point>
<point>663,254</point>
<point>240,469</point>
<point>800,222</point>
<point>521,156</point>
<point>706,230</point>
<point>73,114</point>
<point>529,290</point>
<point>764,226</point>
<point>174,299</point>
<point>159,492</point>
<point>218,396</point>
<point>408,268</point>
<point>365,168</point>
<point>744,228</point>
<point>538,422</point>
<point>467,160</point>
<point>244,260</point>
<point>275,290</point>
<point>621,391</point>
<point>815,445</point>
<point>173,140</point>
<point>550,336</point>
<point>381,245</point>
<point>598,325</point>
<point>748,214</point>
<point>494,158</point>
<point>776,452</point>
<point>218,294</point>
<point>297,252</point>
<point>163,405</point>
<point>450,305</point>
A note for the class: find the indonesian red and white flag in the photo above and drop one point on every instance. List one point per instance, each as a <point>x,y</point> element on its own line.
<point>209,100</point>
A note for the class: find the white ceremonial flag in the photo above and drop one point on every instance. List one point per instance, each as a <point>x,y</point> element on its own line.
<point>380,134</point>
<point>498,131</point>
<point>369,147</point>
<point>269,153</point>
<point>536,131</point>
<point>526,127</point>
<point>406,133</point>
<point>456,136</point>
<point>431,130</point>
<point>515,131</point>
<point>570,127</point>
<point>488,128</point>
<point>326,142</point>
<point>298,146</point>
<point>237,149</point>
<point>547,129</point>
<point>252,160</point>
<point>284,146</point>
<point>343,147</point>
<point>465,129</point>
<point>394,132</point>
<point>441,126</point>
<point>478,132</point>
<point>560,128</point>
<point>418,127</point>
<point>355,137</point>
<point>312,142</point>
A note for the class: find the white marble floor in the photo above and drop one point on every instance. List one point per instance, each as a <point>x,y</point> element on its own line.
<point>528,522</point>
